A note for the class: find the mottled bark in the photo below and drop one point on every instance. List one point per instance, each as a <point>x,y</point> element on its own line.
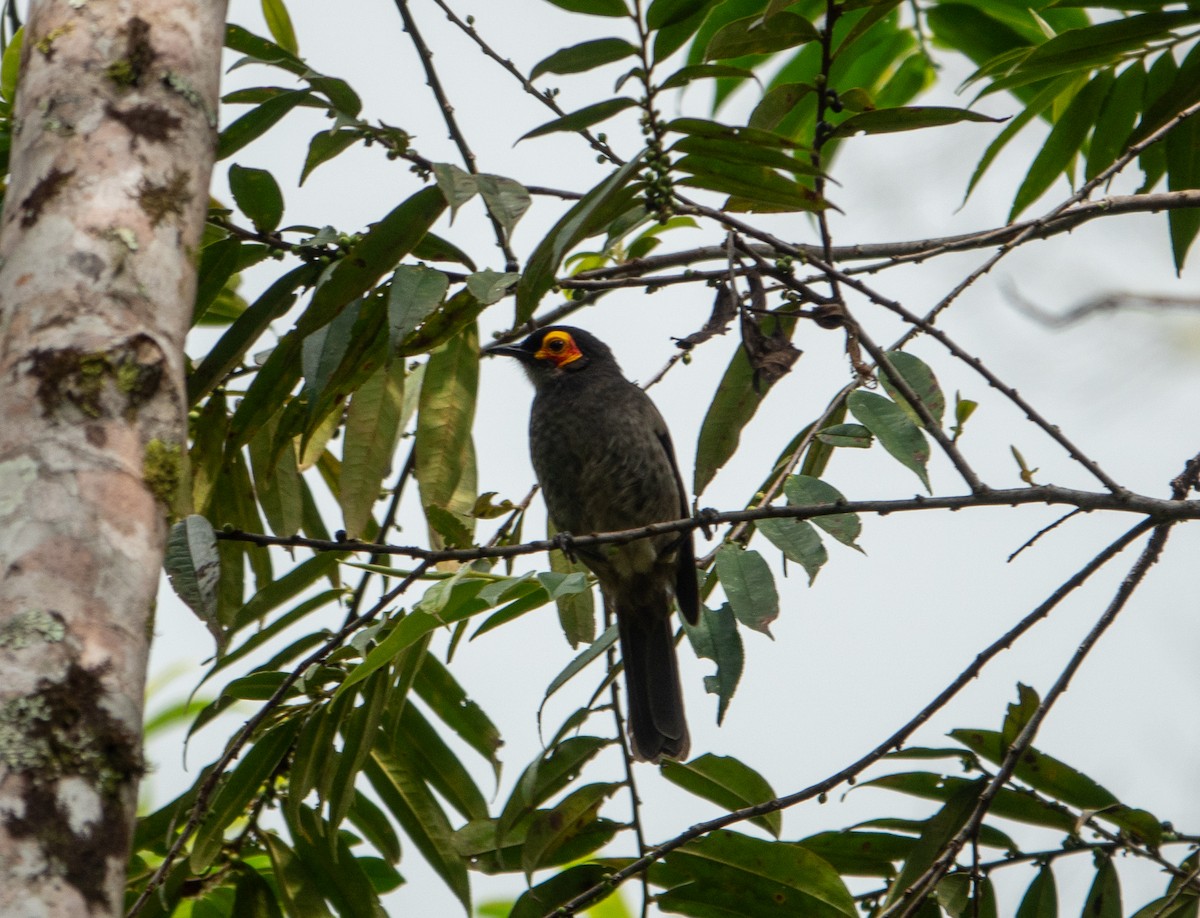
<point>114,133</point>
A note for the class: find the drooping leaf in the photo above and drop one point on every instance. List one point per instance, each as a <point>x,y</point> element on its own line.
<point>551,831</point>
<point>415,292</point>
<point>1041,899</point>
<point>371,435</point>
<point>804,491</point>
<point>921,380</point>
<point>194,568</point>
<point>798,541</point>
<point>410,801</point>
<point>1104,896</point>
<point>749,586</point>
<point>544,898</point>
<point>444,450</point>
<point>733,874</point>
<point>727,782</point>
<point>324,146</point>
<point>506,199</point>
<point>937,833</point>
<point>892,427</point>
<point>1062,146</point>
<point>734,404</point>
<point>715,637</point>
<point>587,217</point>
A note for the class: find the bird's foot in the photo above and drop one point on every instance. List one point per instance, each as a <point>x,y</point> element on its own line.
<point>565,542</point>
<point>707,517</point>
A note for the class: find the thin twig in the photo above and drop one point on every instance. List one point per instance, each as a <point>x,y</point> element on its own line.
<point>456,134</point>
<point>1155,509</point>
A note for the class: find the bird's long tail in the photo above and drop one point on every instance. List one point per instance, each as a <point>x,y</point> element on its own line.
<point>657,725</point>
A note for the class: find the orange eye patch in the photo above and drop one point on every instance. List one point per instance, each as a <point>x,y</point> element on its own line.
<point>559,348</point>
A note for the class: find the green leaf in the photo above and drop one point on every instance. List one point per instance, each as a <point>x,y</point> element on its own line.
<point>278,591</point>
<point>410,801</point>
<point>736,400</point>
<point>415,292</point>
<point>760,35</point>
<point>749,586</point>
<point>1104,897</point>
<point>715,637</point>
<point>938,831</point>
<point>804,491</point>
<point>560,889</point>
<point>956,894</point>
<point>664,13</point>
<point>506,199</point>
<point>589,216</point>
<point>910,118</point>
<point>921,380</point>
<point>891,426</point>
<point>324,146</point>
<point>1183,173</point>
<point>458,185</point>
<point>434,759</point>
<point>258,121</point>
<point>576,611</point>
<point>846,436</point>
<point>436,687</point>
<point>279,24</point>
<point>584,56</point>
<point>231,349</point>
<point>325,855</point>
<point>1063,145</point>
<point>374,255</point>
<point>594,7</point>
<point>586,656</point>
<point>764,190</point>
<point>258,196</point>
<point>864,854</point>
<point>1118,112</point>
<point>553,830</point>
<point>218,262</point>
<point>194,568</point>
<point>727,782</point>
<point>1008,804</point>
<point>297,888</point>
<point>276,480</point>
<point>443,447</point>
<point>1041,899</point>
<point>371,435</point>
<point>488,286</point>
<point>737,152</point>
<point>545,776</point>
<point>583,118</point>
<point>1018,714</point>
<point>685,75</point>
<point>734,874</point>
<point>798,541</point>
<point>238,788</point>
<point>10,66</point>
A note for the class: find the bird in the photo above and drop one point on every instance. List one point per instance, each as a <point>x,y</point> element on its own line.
<point>604,461</point>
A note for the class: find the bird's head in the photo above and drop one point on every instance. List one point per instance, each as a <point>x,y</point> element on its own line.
<point>557,350</point>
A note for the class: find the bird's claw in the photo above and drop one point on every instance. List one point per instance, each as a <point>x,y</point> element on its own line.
<point>565,542</point>
<point>707,517</point>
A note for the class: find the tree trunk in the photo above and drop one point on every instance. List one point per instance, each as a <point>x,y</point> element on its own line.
<point>114,133</point>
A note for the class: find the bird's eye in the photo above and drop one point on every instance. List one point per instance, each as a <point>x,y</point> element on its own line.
<point>554,345</point>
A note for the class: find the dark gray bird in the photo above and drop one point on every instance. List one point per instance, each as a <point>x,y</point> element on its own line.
<point>604,460</point>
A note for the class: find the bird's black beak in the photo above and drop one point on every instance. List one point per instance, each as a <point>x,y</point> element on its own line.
<point>509,350</point>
